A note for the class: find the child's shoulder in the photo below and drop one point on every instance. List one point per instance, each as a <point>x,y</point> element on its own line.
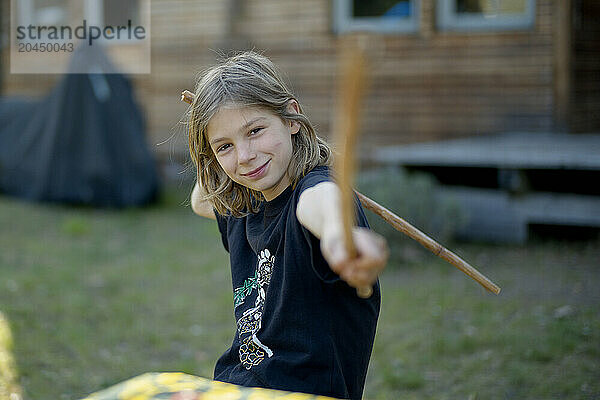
<point>318,174</point>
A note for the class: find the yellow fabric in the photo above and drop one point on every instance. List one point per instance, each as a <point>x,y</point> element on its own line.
<point>176,385</point>
<point>9,389</point>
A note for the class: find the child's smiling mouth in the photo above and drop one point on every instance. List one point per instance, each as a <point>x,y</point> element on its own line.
<point>258,172</point>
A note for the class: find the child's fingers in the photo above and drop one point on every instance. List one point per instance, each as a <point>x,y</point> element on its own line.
<point>371,244</point>
<point>372,250</point>
<point>335,253</point>
<point>356,272</point>
<point>359,278</point>
<point>363,270</point>
<point>372,258</point>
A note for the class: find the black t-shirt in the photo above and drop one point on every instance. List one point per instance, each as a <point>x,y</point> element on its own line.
<point>299,326</point>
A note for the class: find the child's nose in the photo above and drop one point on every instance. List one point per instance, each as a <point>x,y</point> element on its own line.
<point>245,153</point>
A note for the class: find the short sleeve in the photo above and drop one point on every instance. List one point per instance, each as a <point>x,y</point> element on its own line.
<point>313,178</point>
<point>222,223</point>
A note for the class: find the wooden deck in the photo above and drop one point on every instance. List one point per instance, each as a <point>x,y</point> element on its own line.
<point>512,151</point>
<point>510,182</point>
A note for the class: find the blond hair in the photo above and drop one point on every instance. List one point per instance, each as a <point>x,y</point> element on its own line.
<point>252,80</point>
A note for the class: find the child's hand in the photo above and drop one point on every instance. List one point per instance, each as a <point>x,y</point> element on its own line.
<point>363,270</point>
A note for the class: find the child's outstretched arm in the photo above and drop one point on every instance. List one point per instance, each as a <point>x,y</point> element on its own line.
<point>201,207</point>
<point>319,211</point>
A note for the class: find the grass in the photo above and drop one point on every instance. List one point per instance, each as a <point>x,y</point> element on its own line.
<point>98,296</point>
<point>443,337</point>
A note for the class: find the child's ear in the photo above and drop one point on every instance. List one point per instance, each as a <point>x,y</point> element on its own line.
<point>294,127</point>
<point>294,108</point>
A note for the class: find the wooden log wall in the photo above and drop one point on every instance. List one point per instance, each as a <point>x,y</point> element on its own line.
<point>424,86</point>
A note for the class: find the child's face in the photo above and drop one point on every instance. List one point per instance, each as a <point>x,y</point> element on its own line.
<point>253,146</point>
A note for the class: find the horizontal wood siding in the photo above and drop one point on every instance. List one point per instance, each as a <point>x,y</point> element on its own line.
<point>423,86</point>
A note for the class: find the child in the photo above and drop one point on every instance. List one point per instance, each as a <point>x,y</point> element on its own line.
<point>263,174</point>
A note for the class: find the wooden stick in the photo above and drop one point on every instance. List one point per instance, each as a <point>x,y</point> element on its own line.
<point>409,230</point>
<point>427,242</point>
<point>345,127</point>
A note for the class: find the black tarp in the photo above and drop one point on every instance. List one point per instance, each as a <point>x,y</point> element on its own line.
<point>82,144</point>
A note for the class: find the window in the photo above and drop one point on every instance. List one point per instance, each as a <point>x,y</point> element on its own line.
<point>96,12</point>
<point>390,16</point>
<point>485,15</point>
<point>118,12</point>
<point>113,13</point>
<point>47,35</point>
<point>42,13</point>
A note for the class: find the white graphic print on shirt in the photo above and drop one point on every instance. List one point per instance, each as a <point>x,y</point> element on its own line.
<point>252,351</point>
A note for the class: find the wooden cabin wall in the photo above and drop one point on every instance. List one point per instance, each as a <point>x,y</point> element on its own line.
<point>424,86</point>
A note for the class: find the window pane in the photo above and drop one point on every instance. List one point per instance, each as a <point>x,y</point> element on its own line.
<point>118,12</point>
<point>382,8</point>
<point>491,8</point>
<point>50,12</point>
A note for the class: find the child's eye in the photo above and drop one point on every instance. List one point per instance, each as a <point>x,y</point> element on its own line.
<point>255,131</point>
<point>223,147</point>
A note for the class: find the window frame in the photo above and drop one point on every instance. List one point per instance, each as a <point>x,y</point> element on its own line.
<point>449,20</point>
<point>343,21</point>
